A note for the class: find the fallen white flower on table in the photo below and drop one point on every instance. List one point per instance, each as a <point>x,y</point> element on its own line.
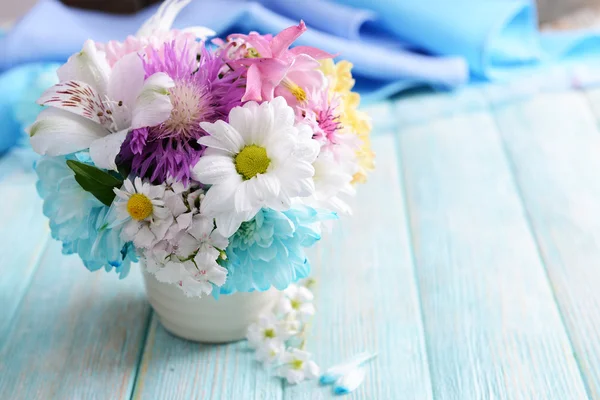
<point>296,303</point>
<point>298,366</point>
<point>268,329</point>
<point>270,351</point>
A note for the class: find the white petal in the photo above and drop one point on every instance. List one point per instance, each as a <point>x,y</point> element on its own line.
<point>217,275</point>
<point>129,186</point>
<point>213,169</point>
<point>170,273</point>
<point>89,66</point>
<point>57,132</point>
<point>263,123</point>
<point>201,32</point>
<point>202,227</point>
<point>76,97</point>
<point>220,197</point>
<point>104,151</point>
<point>143,238</point>
<point>350,381</point>
<point>229,222</point>
<point>312,370</point>
<point>124,86</point>
<point>156,191</point>
<point>186,245</point>
<point>163,19</point>
<point>153,105</point>
<point>229,139</point>
<point>283,114</point>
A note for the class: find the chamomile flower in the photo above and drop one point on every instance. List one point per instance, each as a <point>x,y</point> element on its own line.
<point>296,302</point>
<point>140,207</point>
<point>298,366</point>
<point>259,159</point>
<point>268,329</point>
<point>270,352</point>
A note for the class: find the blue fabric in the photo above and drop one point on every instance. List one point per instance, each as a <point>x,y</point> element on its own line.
<point>393,44</point>
<point>21,87</point>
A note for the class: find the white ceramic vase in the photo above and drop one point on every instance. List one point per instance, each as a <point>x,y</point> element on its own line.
<point>206,319</point>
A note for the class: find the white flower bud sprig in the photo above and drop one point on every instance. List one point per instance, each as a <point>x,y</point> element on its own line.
<point>279,337</point>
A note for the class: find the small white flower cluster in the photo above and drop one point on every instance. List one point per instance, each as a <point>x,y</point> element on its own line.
<point>177,242</point>
<point>279,337</point>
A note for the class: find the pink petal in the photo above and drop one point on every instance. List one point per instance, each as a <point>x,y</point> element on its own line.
<point>311,51</point>
<point>253,84</point>
<point>285,38</point>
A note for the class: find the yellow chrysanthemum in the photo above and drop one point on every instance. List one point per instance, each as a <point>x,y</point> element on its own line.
<point>339,75</point>
<point>358,122</point>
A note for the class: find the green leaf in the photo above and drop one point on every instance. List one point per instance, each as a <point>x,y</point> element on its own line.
<point>96,181</point>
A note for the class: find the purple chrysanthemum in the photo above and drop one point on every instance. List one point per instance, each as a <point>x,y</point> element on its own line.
<point>201,93</point>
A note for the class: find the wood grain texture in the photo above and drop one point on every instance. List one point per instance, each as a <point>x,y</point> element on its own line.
<point>23,234</point>
<point>173,368</point>
<point>367,297</point>
<point>554,144</point>
<point>77,334</point>
<point>492,328</point>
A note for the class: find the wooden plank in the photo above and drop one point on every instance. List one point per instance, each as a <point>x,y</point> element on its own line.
<point>173,368</point>
<point>366,296</point>
<point>554,145</point>
<point>77,335</point>
<point>492,327</point>
<point>23,233</point>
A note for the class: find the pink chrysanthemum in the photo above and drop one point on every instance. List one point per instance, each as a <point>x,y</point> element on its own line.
<point>201,93</point>
<point>322,115</point>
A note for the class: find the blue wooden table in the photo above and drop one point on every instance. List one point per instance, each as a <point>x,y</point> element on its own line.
<point>471,265</point>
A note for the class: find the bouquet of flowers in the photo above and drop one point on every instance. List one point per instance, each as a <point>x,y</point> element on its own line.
<point>213,162</point>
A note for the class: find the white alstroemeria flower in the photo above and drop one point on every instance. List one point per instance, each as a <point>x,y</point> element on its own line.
<point>259,159</point>
<point>270,352</point>
<point>296,302</point>
<point>94,106</point>
<point>161,21</point>
<point>156,31</point>
<point>298,366</point>
<point>268,329</point>
<point>140,207</point>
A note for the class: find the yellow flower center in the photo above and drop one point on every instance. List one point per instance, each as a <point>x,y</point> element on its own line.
<point>297,364</point>
<point>251,161</point>
<point>294,89</point>
<point>139,206</point>
<point>269,333</point>
<point>295,304</point>
<point>252,53</point>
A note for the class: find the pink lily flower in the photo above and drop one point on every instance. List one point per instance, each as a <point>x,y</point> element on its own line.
<point>275,69</point>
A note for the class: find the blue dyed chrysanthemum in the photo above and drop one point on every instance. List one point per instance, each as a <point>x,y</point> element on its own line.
<point>269,249</point>
<point>76,219</point>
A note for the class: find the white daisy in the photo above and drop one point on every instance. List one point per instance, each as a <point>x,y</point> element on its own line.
<point>296,303</point>
<point>298,366</point>
<point>258,159</point>
<point>140,207</point>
